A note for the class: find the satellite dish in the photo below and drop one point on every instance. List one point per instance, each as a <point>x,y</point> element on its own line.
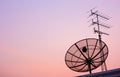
<point>86,55</point>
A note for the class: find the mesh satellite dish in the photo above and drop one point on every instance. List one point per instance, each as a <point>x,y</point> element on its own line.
<point>86,55</point>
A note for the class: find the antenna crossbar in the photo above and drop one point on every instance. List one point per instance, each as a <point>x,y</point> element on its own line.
<point>96,13</point>
<point>93,23</point>
<point>96,31</point>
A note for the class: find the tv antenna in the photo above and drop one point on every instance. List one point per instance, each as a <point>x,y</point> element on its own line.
<point>96,22</point>
<point>90,53</point>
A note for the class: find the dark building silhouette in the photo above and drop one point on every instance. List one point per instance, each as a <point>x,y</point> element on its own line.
<point>109,73</point>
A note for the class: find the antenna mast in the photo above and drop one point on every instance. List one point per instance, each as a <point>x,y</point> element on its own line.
<point>96,22</point>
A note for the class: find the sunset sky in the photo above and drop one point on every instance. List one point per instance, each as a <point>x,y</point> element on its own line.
<point>36,34</point>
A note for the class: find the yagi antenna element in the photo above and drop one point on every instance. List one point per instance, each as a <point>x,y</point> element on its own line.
<point>96,21</point>
<point>96,31</point>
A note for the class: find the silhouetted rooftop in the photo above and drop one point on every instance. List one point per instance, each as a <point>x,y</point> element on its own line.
<point>109,73</point>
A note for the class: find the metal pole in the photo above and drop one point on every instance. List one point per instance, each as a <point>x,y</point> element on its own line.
<point>103,66</point>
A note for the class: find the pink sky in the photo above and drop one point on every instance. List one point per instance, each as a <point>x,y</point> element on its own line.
<point>36,34</point>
